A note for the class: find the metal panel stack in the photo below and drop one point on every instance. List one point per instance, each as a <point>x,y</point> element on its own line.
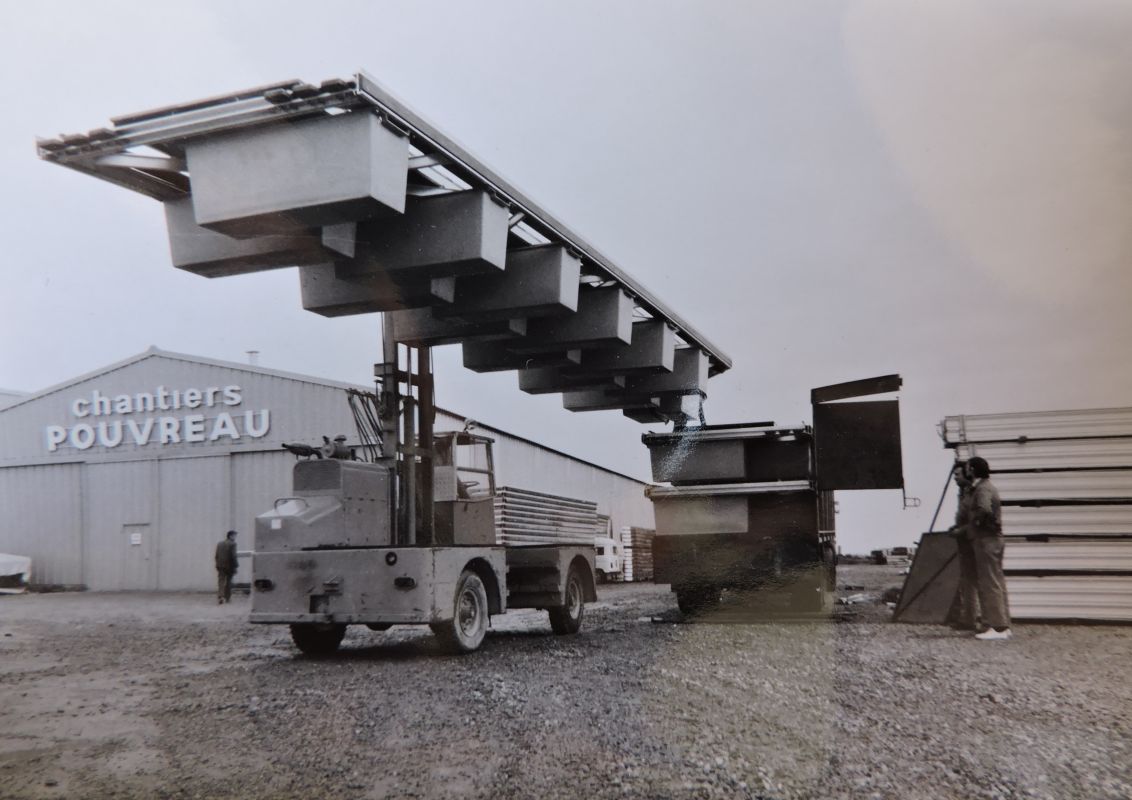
<point>638,553</point>
<point>527,519</point>
<point>1065,478</point>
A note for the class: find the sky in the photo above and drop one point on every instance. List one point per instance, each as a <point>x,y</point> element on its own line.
<point>826,191</point>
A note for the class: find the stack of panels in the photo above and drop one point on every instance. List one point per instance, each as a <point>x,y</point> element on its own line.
<point>381,212</point>
<point>638,553</point>
<point>1065,478</point>
<point>527,519</point>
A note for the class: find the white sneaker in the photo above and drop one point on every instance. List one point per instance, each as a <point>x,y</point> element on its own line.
<point>991,635</point>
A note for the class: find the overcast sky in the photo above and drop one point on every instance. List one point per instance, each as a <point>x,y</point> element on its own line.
<point>828,191</point>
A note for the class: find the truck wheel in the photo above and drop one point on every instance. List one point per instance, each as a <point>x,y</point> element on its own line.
<point>316,639</point>
<point>695,599</point>
<point>568,618</point>
<point>379,626</point>
<point>465,631</point>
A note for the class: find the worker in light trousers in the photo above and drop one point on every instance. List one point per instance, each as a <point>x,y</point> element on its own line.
<point>983,516</point>
<point>964,614</point>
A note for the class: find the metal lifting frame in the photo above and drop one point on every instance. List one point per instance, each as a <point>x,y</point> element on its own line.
<point>119,155</point>
<point>408,414</point>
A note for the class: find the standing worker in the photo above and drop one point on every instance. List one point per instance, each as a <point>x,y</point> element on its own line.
<point>226,567</point>
<point>964,614</point>
<point>984,528</point>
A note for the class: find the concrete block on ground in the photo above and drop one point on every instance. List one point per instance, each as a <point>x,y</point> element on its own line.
<point>317,171</point>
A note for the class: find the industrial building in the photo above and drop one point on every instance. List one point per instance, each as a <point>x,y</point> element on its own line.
<point>124,478</point>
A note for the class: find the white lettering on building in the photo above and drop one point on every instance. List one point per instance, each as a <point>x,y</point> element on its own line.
<point>158,429</point>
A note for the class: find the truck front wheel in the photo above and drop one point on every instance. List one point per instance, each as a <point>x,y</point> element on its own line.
<point>316,639</point>
<point>465,631</point>
<point>568,618</point>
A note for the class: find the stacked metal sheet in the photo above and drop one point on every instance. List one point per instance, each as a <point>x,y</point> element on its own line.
<point>637,565</point>
<point>528,519</point>
<point>1065,478</point>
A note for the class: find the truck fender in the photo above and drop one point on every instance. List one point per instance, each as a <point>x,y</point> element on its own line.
<point>588,583</point>
<point>490,582</point>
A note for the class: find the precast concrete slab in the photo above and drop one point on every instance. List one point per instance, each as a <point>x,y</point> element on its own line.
<point>551,380</point>
<point>500,357</point>
<point>602,400</point>
<point>325,293</point>
<point>689,376</point>
<point>604,318</point>
<point>204,252</point>
<point>651,350</point>
<point>537,281</point>
<point>464,233</point>
<point>420,328</point>
<point>312,171</point>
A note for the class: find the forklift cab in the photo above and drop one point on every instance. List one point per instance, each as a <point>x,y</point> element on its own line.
<point>463,489</point>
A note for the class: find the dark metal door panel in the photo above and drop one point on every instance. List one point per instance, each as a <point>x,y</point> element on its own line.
<point>857,445</point>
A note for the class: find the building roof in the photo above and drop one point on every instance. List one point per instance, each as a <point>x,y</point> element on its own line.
<point>155,352</point>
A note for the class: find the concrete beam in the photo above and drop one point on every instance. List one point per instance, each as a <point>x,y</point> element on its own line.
<point>652,350</point>
<point>420,327</point>
<point>552,380</point>
<point>198,250</point>
<point>464,233</point>
<point>324,292</point>
<point>317,171</point>
<point>689,375</point>
<point>499,357</point>
<point>601,400</point>
<point>537,281</point>
<point>679,407</point>
<point>604,318</point>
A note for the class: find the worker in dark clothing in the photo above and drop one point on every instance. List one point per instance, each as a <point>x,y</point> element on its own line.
<point>226,567</point>
<point>984,529</point>
<point>964,614</point>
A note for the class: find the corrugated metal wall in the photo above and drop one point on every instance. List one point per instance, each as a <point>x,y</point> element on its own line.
<point>120,502</point>
<point>42,518</point>
<point>195,513</point>
<point>149,516</point>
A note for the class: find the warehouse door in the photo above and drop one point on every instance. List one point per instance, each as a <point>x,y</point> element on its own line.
<point>120,503</point>
<point>139,562</point>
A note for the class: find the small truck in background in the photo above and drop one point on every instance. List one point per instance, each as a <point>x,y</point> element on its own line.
<point>609,559</point>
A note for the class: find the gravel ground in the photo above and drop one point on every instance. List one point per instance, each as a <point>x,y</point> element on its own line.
<point>171,696</point>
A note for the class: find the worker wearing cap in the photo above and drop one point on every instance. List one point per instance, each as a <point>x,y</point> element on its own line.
<point>984,529</point>
<point>964,613</point>
<point>226,567</point>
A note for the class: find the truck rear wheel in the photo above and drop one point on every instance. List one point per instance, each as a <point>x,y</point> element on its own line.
<point>695,599</point>
<point>317,639</point>
<point>468,626</point>
<point>567,618</point>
